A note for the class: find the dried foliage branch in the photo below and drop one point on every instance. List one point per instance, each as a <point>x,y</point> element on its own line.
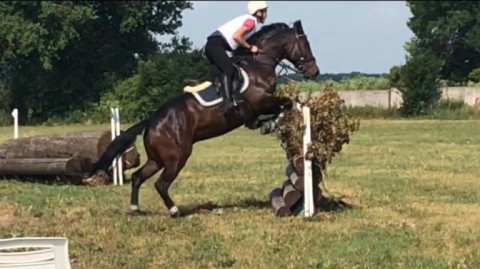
<point>330,125</point>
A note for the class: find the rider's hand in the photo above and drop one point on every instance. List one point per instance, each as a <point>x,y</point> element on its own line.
<point>254,49</point>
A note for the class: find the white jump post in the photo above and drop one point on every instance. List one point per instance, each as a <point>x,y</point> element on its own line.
<point>308,206</point>
<point>15,123</point>
<point>117,162</point>
<point>114,134</point>
<point>307,166</point>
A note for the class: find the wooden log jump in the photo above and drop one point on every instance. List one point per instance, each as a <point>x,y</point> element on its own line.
<point>68,155</point>
<point>278,204</point>
<point>46,166</point>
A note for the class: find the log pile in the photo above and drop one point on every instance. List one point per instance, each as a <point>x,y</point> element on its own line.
<point>330,130</point>
<point>288,199</point>
<point>44,166</point>
<point>65,157</point>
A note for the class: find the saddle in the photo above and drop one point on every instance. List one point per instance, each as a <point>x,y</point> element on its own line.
<point>214,77</point>
<point>208,92</point>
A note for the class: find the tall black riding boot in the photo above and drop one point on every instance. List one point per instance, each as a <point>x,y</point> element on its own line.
<point>236,95</point>
<point>227,94</point>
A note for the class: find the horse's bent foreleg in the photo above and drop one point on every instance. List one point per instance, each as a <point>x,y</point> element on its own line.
<point>138,178</point>
<point>169,174</point>
<point>287,103</point>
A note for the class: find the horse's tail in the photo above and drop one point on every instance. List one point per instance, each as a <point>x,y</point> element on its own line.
<point>119,145</point>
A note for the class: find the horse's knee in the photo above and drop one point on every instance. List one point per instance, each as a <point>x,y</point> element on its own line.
<point>162,186</point>
<point>136,180</point>
<point>286,103</point>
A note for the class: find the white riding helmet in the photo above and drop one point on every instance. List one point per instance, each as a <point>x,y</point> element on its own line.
<point>254,6</point>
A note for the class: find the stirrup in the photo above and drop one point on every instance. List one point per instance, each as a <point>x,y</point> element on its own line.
<point>238,99</point>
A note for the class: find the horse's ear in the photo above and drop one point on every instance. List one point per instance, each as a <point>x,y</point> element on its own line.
<point>298,27</point>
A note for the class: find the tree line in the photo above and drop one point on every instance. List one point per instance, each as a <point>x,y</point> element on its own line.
<point>71,60</point>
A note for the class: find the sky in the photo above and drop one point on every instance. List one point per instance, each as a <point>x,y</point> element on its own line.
<point>345,36</point>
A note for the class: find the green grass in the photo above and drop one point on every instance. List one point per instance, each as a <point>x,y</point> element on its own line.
<point>413,184</point>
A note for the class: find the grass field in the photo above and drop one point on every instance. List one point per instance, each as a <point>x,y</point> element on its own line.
<point>414,186</point>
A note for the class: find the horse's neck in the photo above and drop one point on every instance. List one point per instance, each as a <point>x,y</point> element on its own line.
<point>256,62</point>
<point>262,66</point>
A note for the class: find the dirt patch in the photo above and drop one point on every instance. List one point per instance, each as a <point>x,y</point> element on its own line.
<point>7,215</point>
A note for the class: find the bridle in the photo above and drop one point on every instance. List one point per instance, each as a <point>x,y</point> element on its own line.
<point>300,62</point>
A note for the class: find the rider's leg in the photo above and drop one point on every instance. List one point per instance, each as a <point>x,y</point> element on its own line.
<point>215,51</point>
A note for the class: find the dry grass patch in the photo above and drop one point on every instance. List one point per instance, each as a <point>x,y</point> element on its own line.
<point>7,215</point>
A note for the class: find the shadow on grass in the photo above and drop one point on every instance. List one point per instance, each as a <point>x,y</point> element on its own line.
<point>333,204</point>
<point>326,204</point>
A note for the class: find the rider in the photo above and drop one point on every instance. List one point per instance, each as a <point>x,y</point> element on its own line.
<point>227,38</point>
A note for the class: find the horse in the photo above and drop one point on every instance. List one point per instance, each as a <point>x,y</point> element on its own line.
<point>171,131</point>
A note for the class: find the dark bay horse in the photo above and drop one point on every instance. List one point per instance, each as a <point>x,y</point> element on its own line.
<point>171,131</point>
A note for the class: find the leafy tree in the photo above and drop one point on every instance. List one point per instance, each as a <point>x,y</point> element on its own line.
<point>419,83</point>
<point>395,77</point>
<point>445,47</point>
<point>158,80</point>
<point>450,30</point>
<point>475,75</point>
<point>59,56</point>
<point>4,105</point>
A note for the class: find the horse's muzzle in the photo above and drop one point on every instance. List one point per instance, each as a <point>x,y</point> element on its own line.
<point>311,72</point>
<point>309,69</point>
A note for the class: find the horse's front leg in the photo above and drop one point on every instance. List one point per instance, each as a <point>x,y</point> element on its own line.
<point>276,105</point>
<point>268,122</point>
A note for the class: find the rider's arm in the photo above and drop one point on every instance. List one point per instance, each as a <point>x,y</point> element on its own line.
<point>247,26</point>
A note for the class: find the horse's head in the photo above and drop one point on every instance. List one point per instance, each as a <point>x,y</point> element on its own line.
<point>278,41</point>
<point>299,53</point>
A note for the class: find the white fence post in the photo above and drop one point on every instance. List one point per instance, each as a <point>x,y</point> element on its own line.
<point>15,123</point>
<point>117,164</point>
<point>113,132</point>
<point>119,160</point>
<point>309,206</point>
<point>308,203</point>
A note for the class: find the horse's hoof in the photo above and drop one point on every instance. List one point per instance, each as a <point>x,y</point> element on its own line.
<point>174,212</point>
<point>135,211</point>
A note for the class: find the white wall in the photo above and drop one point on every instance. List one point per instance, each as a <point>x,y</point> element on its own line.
<point>393,98</point>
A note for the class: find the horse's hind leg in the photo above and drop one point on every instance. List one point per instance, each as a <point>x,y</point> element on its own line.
<point>171,171</point>
<point>138,178</point>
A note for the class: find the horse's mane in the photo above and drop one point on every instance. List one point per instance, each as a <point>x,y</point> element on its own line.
<point>267,31</point>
